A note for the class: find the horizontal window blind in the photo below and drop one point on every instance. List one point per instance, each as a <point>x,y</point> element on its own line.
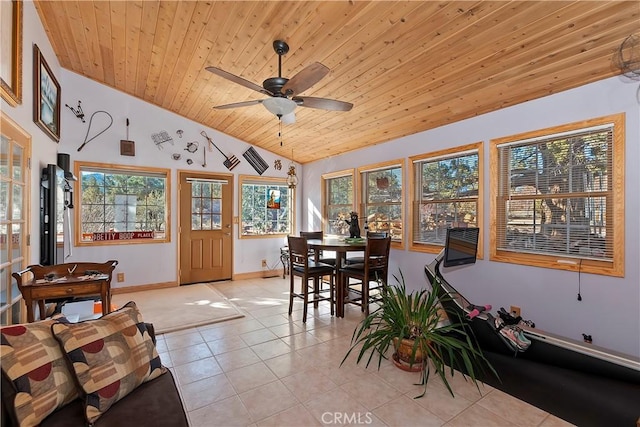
<point>382,201</point>
<point>555,195</point>
<point>446,195</point>
<point>339,197</point>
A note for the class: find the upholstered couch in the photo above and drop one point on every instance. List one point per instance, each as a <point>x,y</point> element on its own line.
<point>103,372</point>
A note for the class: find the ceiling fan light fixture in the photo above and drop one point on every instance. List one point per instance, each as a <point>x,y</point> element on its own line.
<point>279,106</point>
<point>288,119</point>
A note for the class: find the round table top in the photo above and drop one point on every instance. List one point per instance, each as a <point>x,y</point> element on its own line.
<point>336,244</point>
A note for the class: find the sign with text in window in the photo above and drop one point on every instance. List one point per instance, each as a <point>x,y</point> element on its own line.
<point>119,235</point>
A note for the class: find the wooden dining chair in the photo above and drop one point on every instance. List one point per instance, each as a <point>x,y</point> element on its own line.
<point>370,235</point>
<point>371,275</point>
<point>318,235</point>
<point>301,265</point>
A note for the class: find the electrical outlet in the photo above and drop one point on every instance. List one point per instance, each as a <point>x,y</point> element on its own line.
<point>264,262</point>
<point>120,277</point>
<point>514,310</point>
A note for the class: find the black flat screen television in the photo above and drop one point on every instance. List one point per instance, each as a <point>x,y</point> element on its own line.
<point>461,246</point>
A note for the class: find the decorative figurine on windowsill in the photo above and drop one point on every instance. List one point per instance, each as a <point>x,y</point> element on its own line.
<point>354,227</point>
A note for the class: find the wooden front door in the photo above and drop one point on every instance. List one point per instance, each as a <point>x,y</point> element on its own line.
<point>205,233</point>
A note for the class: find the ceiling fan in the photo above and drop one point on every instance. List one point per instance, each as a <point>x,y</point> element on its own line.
<point>283,92</point>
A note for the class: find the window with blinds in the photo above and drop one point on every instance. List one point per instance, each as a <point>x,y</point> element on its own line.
<point>338,196</point>
<point>559,197</point>
<point>381,199</point>
<point>446,189</point>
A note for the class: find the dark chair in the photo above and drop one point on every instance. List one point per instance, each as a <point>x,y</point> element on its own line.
<point>371,275</point>
<point>370,235</point>
<point>317,235</point>
<point>301,265</point>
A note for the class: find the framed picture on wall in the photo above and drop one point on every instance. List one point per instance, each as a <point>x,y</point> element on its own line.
<point>11,51</point>
<point>46,96</point>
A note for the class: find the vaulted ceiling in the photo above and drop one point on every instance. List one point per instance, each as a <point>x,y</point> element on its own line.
<point>406,66</point>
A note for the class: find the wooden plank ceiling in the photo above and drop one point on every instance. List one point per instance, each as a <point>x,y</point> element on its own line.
<point>406,66</point>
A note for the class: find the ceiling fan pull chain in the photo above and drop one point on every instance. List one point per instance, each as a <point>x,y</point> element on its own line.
<point>280,128</point>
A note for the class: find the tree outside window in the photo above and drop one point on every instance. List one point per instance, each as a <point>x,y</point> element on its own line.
<point>119,203</point>
<point>338,192</point>
<point>446,194</point>
<point>265,206</point>
<point>559,195</point>
<point>381,199</point>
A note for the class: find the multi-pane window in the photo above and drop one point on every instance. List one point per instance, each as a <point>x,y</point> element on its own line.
<point>446,189</point>
<point>15,147</point>
<point>206,205</point>
<point>338,204</point>
<point>381,199</point>
<point>264,206</point>
<point>559,196</point>
<point>122,204</point>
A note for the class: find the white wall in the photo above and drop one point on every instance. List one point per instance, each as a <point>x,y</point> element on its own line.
<point>156,263</point>
<point>142,263</point>
<point>609,311</point>
<point>610,307</point>
<point>43,147</point>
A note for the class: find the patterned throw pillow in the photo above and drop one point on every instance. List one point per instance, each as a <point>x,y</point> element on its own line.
<point>33,362</point>
<point>111,356</point>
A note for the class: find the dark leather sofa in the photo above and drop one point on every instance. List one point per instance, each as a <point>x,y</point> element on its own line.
<point>155,403</point>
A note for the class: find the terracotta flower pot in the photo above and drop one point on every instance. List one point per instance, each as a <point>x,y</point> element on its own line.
<point>402,356</point>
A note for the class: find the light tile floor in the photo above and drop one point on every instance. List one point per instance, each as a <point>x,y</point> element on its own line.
<point>269,369</point>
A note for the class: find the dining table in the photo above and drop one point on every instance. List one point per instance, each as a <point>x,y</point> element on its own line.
<point>340,246</point>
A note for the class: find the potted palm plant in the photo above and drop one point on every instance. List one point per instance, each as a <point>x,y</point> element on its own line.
<point>422,338</point>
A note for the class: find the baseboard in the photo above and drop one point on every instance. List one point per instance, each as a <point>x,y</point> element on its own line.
<point>263,274</point>
<point>139,288</point>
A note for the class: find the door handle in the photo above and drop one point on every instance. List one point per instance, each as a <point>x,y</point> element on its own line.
<point>227,234</point>
<point>227,226</point>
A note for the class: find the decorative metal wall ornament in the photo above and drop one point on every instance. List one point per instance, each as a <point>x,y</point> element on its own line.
<point>78,112</point>
<point>86,141</point>
<point>255,160</point>
<point>204,163</point>
<point>179,132</point>
<point>292,178</point>
<point>127,147</point>
<point>277,165</point>
<point>160,138</point>
<point>229,162</point>
<point>192,146</point>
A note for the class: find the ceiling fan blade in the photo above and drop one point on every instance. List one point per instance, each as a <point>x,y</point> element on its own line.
<point>322,103</point>
<point>306,78</point>
<point>238,104</point>
<point>238,80</point>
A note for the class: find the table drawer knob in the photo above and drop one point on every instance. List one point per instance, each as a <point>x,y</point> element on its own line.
<point>70,291</point>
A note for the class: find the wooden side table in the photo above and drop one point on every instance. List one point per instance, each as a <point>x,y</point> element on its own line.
<point>41,282</point>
